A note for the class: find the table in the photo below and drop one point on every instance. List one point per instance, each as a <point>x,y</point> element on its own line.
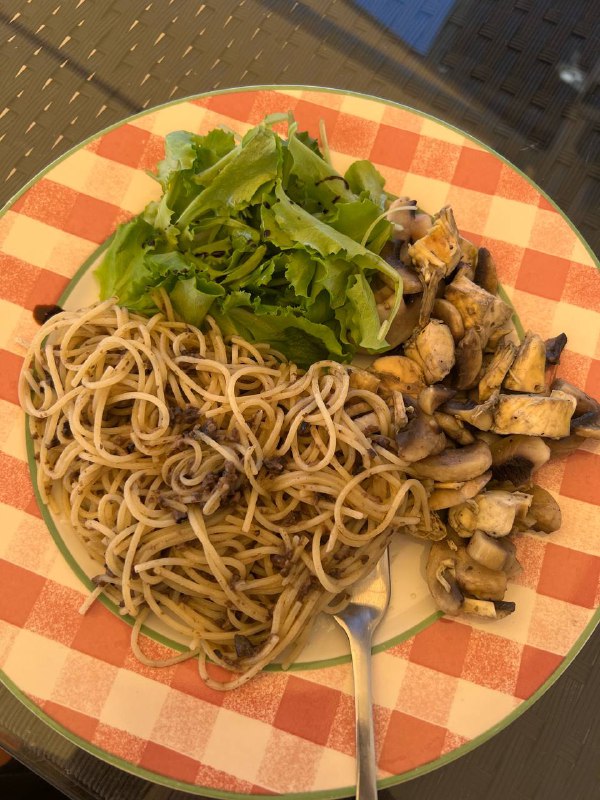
<point>522,75</point>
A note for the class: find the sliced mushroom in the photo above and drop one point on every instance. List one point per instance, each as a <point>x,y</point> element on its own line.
<point>458,464</point>
<point>584,403</point>
<point>446,495</point>
<point>544,511</point>
<point>563,447</point>
<point>486,275</point>
<point>432,348</point>
<point>411,283</point>
<point>454,428</point>
<point>420,438</point>
<point>492,553</point>
<point>398,407</point>
<point>515,458</point>
<point>476,580</point>
<point>468,257</point>
<point>496,370</point>
<point>478,308</point>
<point>554,348</point>
<point>400,373</point>
<point>441,579</point>
<point>400,213</point>
<point>367,423</point>
<point>405,320</point>
<point>506,332</point>
<point>480,416</point>
<point>528,370</point>
<point>534,415</point>
<point>529,414</point>
<point>587,425</point>
<point>435,255</point>
<point>363,379</point>
<point>492,512</point>
<point>432,397</point>
<point>444,310</point>
<point>469,358</point>
<point>419,226</point>
<point>489,609</point>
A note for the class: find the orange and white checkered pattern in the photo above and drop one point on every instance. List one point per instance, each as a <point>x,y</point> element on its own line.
<point>294,732</point>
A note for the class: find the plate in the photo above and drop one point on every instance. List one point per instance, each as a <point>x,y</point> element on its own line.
<point>441,686</point>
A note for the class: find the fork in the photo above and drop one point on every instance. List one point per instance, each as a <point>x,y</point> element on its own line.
<point>360,618</point>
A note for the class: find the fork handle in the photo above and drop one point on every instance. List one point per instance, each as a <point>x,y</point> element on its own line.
<point>366,764</point>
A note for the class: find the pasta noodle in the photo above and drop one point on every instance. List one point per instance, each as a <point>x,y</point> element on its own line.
<point>219,487</point>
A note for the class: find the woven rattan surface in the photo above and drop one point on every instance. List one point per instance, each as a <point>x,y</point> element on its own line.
<point>522,76</point>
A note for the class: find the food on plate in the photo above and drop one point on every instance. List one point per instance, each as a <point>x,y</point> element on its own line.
<point>230,472</point>
<point>217,485</point>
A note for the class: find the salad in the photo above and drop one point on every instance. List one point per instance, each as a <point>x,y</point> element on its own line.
<point>266,236</point>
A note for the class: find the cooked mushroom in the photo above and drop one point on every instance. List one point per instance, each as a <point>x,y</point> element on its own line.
<point>444,310</point>
<point>441,578</point>
<point>368,422</point>
<point>400,213</point>
<point>419,226</point>
<point>492,553</point>
<point>485,272</point>
<point>420,438</point>
<point>534,415</point>
<point>446,495</point>
<point>403,324</point>
<point>400,373</point>
<point>489,609</point>
<point>492,512</point>
<point>544,511</point>
<point>584,403</point>
<point>528,370</point>
<point>398,408</point>
<point>480,416</point>
<point>476,580</point>
<point>515,458</point>
<point>432,397</point>
<point>554,348</point>
<point>454,428</point>
<point>587,425</point>
<point>432,348</point>
<point>363,379</point>
<point>392,253</point>
<point>529,414</point>
<point>458,464</point>
<point>435,255</point>
<point>496,370</point>
<point>468,257</point>
<point>469,358</point>
<point>478,308</point>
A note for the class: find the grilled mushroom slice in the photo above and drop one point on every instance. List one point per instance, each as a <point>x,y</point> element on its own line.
<point>446,495</point>
<point>444,310</point>
<point>478,308</point>
<point>554,348</point>
<point>478,581</point>
<point>515,458</point>
<point>485,272</point>
<point>454,428</point>
<point>458,464</point>
<point>435,255</point>
<point>422,437</point>
<point>469,358</point>
<point>528,370</point>
<point>441,578</point>
<point>544,513</point>
<point>529,414</point>
<point>489,609</point>
<point>496,370</point>
<point>584,403</point>
<point>491,553</point>
<point>432,397</point>
<point>399,373</point>
<point>432,348</point>
<point>534,415</point>
<point>587,425</point>
<point>405,320</point>
<point>492,512</point>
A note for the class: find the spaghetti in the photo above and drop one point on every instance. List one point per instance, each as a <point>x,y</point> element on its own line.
<point>221,488</point>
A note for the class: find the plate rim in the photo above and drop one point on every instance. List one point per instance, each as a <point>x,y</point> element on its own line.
<point>441,760</point>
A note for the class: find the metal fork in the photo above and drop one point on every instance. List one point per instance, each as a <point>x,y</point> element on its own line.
<point>370,599</point>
